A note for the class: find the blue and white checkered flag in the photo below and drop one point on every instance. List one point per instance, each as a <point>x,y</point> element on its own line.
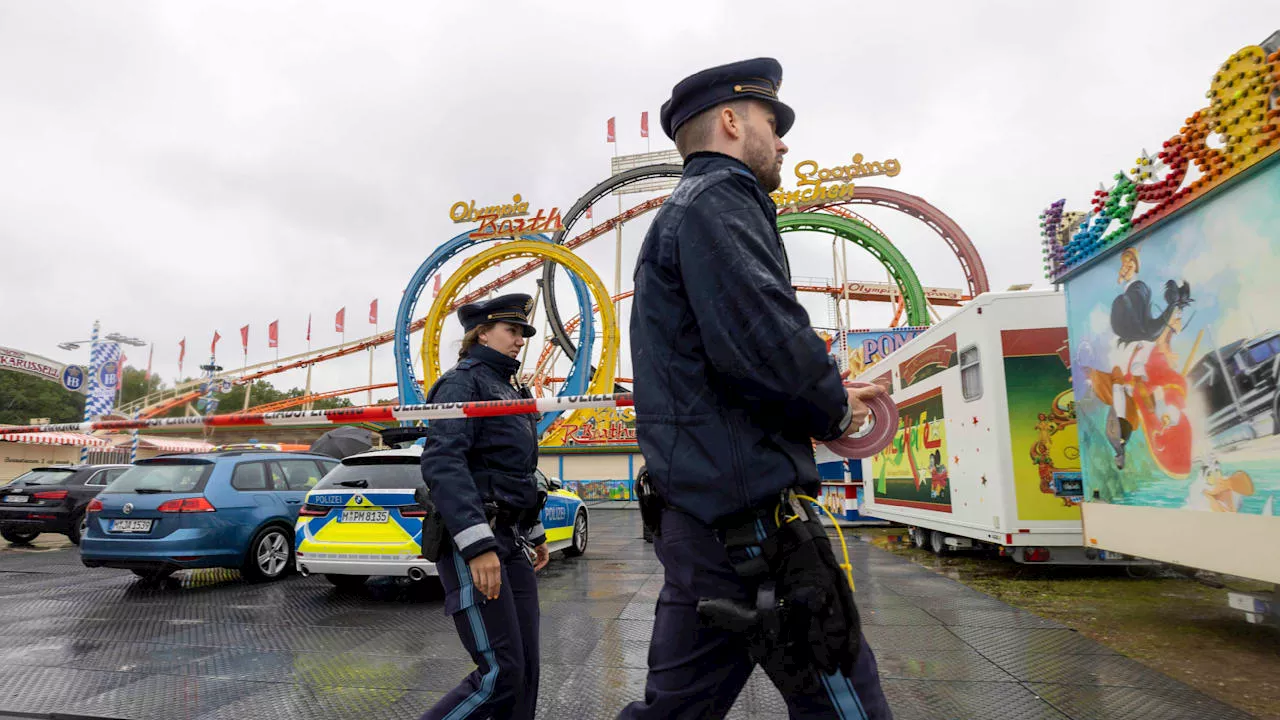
<point>104,379</point>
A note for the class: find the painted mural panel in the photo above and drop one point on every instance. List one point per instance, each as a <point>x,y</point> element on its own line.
<point>912,471</point>
<point>862,349</point>
<point>1042,422</point>
<point>601,489</point>
<point>1176,353</point>
<point>930,361</point>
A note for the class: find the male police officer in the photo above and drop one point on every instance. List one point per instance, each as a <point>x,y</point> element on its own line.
<point>731,385</point>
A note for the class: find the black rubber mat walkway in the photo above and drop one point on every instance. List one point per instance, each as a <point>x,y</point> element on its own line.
<point>96,643</point>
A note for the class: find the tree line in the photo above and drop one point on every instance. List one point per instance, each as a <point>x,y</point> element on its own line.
<point>24,397</point>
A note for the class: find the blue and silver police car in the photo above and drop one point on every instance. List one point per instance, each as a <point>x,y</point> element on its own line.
<point>364,519</point>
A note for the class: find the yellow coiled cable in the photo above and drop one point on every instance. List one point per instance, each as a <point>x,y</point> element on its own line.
<point>847,565</point>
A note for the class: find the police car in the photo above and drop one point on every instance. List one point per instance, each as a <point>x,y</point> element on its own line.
<point>564,517</point>
<point>364,518</point>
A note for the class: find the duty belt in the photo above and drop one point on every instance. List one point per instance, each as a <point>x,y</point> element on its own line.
<point>501,515</point>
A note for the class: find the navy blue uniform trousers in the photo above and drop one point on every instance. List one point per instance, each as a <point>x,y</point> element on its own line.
<point>697,671</point>
<point>501,635</point>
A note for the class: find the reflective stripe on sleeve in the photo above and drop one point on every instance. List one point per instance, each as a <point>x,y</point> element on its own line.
<point>472,535</point>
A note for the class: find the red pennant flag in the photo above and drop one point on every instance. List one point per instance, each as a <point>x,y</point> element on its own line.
<point>373,312</point>
<point>213,348</point>
<point>308,327</point>
<point>273,334</point>
<point>182,353</point>
<point>588,212</point>
<point>612,135</point>
<point>435,290</point>
<point>150,354</point>
<point>244,339</point>
<point>339,320</point>
<point>644,124</point>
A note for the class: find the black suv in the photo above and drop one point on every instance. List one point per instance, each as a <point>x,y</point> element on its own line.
<point>51,500</point>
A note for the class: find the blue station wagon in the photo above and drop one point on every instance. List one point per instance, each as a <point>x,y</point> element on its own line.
<point>232,510</point>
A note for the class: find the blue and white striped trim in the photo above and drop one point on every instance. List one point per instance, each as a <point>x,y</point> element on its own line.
<point>483,693</point>
<point>472,535</point>
<point>843,697</point>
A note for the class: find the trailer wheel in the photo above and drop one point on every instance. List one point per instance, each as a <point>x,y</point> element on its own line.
<point>918,537</point>
<point>937,542</point>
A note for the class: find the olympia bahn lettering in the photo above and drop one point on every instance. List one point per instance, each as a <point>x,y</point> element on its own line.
<point>462,211</point>
<point>810,178</point>
<point>540,223</point>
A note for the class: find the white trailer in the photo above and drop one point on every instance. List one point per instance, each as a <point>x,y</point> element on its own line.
<point>986,450</point>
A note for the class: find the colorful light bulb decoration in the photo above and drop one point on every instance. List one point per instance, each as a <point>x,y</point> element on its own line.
<point>1243,114</point>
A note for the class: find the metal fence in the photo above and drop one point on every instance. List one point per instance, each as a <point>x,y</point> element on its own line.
<point>108,456</point>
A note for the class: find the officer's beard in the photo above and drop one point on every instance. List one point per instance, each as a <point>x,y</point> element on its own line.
<point>760,156</point>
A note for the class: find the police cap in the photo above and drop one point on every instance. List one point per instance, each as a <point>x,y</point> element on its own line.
<point>759,79</point>
<point>514,308</point>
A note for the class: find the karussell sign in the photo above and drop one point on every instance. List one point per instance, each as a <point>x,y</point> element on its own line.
<point>68,376</point>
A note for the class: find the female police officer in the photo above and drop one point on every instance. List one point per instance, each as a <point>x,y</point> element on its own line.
<point>480,475</point>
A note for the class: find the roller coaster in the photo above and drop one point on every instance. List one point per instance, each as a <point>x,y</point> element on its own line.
<point>596,322</point>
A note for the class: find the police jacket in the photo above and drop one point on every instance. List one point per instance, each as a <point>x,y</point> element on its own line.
<point>731,381</point>
<point>468,462</point>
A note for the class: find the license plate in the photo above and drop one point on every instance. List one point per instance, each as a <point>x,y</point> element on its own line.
<point>365,516</point>
<point>131,526</point>
<point>15,498</point>
<point>1112,555</point>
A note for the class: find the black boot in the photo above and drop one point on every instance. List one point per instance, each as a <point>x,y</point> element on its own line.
<point>1126,429</point>
<point>1118,431</point>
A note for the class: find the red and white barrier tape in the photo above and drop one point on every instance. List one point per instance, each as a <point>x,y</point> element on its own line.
<point>872,440</point>
<point>875,435</point>
<point>348,416</point>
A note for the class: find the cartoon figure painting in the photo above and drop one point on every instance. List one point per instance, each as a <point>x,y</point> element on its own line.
<point>1175,359</point>
<point>1143,386</point>
<point>1216,491</point>
<point>1060,417</point>
<point>937,475</point>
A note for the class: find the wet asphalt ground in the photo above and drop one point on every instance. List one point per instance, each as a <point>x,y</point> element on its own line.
<point>76,642</point>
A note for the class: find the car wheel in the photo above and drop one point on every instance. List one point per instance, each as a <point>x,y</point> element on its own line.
<point>580,535</point>
<point>79,526</point>
<point>346,582</point>
<point>18,537</point>
<point>270,555</point>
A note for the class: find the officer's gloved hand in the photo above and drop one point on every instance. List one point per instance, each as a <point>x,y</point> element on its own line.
<point>819,613</point>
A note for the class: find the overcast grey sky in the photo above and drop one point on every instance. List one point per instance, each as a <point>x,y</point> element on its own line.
<point>173,168</point>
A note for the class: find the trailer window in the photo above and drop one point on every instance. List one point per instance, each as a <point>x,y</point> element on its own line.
<point>970,374</point>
